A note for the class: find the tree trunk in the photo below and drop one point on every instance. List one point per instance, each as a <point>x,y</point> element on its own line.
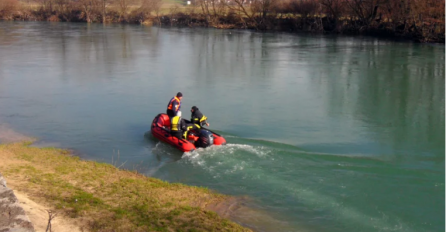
<point>103,11</point>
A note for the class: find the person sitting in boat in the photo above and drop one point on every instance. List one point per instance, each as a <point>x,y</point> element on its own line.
<point>179,128</point>
<point>197,117</point>
<point>174,105</point>
<point>177,125</point>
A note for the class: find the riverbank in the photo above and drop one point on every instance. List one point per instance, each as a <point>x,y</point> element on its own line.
<point>318,25</point>
<point>422,22</point>
<point>100,197</point>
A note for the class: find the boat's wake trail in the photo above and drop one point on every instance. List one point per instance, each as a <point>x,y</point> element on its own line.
<point>229,159</point>
<point>292,174</point>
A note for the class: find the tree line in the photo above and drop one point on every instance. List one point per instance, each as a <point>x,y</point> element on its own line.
<point>420,20</point>
<point>103,11</point>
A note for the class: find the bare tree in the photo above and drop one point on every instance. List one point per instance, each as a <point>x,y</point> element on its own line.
<point>103,6</point>
<point>304,8</point>
<point>149,6</point>
<point>204,5</point>
<point>263,7</point>
<point>364,10</point>
<point>8,7</point>
<point>242,10</point>
<point>47,5</point>
<point>61,5</point>
<point>396,11</point>
<point>87,8</point>
<point>333,8</point>
<point>212,9</point>
<point>123,6</point>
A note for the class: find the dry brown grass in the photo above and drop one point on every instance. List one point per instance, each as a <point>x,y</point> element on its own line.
<point>8,8</point>
<point>106,198</point>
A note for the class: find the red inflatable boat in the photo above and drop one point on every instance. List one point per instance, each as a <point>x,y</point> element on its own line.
<point>202,138</point>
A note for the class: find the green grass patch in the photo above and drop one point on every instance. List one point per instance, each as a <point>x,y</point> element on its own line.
<point>175,1</point>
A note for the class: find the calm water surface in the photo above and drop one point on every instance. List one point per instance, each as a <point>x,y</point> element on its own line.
<point>324,133</point>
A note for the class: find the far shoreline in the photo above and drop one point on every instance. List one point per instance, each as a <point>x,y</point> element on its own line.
<point>421,23</point>
<point>383,35</point>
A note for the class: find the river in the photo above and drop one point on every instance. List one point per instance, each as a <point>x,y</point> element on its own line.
<point>325,133</point>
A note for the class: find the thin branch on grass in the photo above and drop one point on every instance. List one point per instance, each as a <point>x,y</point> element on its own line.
<point>122,164</point>
<point>51,216</point>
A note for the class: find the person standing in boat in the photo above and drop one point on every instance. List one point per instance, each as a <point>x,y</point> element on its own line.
<point>197,117</point>
<point>174,105</point>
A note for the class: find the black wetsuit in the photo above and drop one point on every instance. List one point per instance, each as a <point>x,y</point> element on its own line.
<point>196,117</point>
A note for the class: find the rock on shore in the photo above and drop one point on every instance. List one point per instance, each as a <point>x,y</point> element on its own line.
<point>12,216</point>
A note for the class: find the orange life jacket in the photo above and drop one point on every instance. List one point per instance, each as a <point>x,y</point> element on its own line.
<point>170,106</point>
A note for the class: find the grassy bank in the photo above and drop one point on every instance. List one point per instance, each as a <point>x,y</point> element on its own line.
<point>105,198</point>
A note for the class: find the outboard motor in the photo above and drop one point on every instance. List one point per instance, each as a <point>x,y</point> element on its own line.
<point>205,139</point>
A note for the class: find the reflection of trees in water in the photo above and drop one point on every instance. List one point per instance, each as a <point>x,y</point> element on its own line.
<point>397,89</point>
<point>242,65</point>
<point>83,51</point>
<point>9,34</point>
<point>110,50</point>
<point>237,56</point>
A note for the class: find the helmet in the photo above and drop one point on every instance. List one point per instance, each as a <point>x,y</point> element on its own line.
<point>179,113</point>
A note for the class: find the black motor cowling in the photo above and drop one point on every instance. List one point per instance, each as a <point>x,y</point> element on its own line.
<point>206,139</point>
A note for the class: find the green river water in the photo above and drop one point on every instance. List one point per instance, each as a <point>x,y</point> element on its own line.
<point>325,133</point>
